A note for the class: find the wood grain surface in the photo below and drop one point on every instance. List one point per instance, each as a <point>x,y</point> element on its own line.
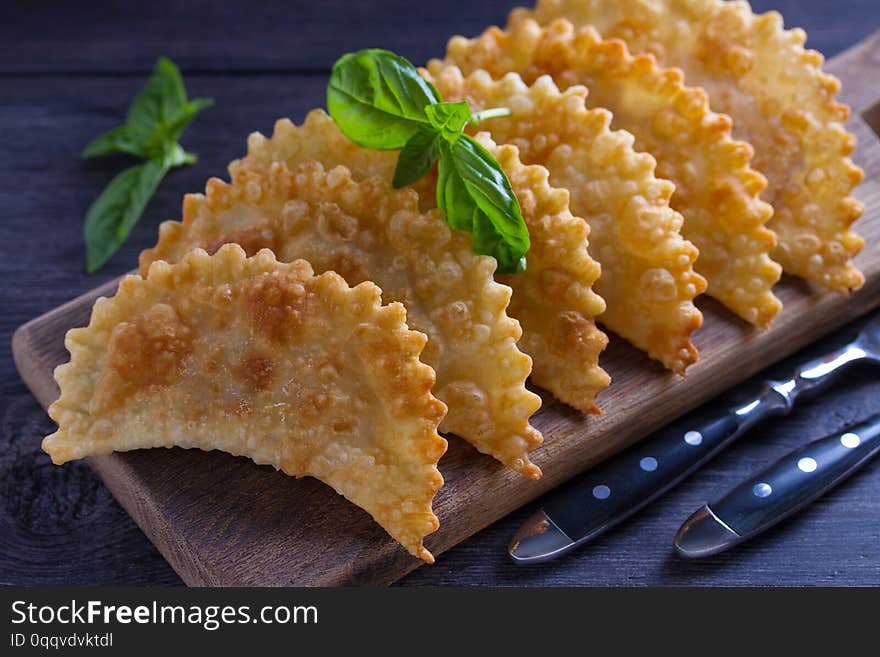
<point>45,527</point>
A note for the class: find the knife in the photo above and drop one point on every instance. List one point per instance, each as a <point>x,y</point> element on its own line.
<point>785,487</point>
<point>620,486</point>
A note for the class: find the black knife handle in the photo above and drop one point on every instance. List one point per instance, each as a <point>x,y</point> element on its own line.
<point>797,479</point>
<point>620,486</point>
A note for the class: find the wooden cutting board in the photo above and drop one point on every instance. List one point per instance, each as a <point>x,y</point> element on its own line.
<point>221,520</point>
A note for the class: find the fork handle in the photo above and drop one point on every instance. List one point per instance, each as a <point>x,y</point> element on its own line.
<point>785,487</point>
<point>615,489</point>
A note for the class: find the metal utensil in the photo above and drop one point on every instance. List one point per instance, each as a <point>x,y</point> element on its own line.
<point>620,486</point>
<point>785,487</point>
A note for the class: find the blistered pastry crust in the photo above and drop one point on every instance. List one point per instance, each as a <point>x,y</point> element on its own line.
<point>781,102</point>
<point>317,139</point>
<point>648,281</point>
<point>716,190</point>
<point>550,335</point>
<point>263,360</point>
<point>553,298</point>
<point>367,231</point>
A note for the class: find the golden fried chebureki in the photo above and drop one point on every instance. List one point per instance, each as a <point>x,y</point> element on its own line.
<point>716,191</point>
<point>552,299</point>
<point>648,281</point>
<point>780,101</point>
<point>263,360</point>
<point>368,231</point>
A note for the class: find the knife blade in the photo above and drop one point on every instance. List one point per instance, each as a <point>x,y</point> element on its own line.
<point>618,487</point>
<point>790,484</point>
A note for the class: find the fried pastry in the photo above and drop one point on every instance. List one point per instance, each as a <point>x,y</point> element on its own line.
<point>553,299</point>
<point>780,101</point>
<point>716,191</point>
<point>648,281</point>
<point>263,360</point>
<point>368,231</point>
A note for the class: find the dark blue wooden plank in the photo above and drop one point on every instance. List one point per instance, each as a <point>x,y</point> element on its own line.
<point>59,525</point>
<point>105,35</point>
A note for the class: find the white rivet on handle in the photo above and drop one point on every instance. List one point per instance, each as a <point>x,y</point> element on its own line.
<point>601,492</point>
<point>693,438</point>
<point>807,464</point>
<point>762,489</point>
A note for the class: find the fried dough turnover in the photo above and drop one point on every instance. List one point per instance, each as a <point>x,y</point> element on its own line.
<point>368,231</point>
<point>553,299</point>
<point>648,281</point>
<point>263,360</point>
<point>781,102</point>
<point>716,191</point>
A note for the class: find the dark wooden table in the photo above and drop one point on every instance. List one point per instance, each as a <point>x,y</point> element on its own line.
<point>67,72</point>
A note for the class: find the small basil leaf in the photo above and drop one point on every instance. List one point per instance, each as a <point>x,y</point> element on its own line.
<point>161,98</point>
<point>416,158</point>
<point>452,194</point>
<point>450,117</point>
<point>166,134</point>
<point>477,196</point>
<point>156,118</point>
<point>185,114</point>
<point>488,240</point>
<point>120,139</point>
<point>113,214</point>
<point>378,99</point>
<point>175,156</point>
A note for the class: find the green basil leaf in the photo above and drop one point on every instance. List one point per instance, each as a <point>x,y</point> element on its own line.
<point>165,135</point>
<point>476,195</point>
<point>160,112</point>
<point>185,114</point>
<point>378,99</point>
<point>449,117</point>
<point>113,214</point>
<point>161,98</point>
<point>120,139</point>
<point>177,157</point>
<point>416,158</point>
<point>156,118</point>
<point>452,194</point>
<point>487,239</point>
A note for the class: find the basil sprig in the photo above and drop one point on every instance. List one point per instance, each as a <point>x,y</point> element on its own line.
<point>156,118</point>
<point>379,100</point>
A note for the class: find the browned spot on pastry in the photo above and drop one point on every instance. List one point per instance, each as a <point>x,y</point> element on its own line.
<point>275,305</point>
<point>574,328</point>
<point>254,372</point>
<point>148,351</point>
<point>251,240</point>
<point>334,223</point>
<point>314,405</point>
<point>374,352</point>
<point>348,265</point>
<point>344,425</point>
